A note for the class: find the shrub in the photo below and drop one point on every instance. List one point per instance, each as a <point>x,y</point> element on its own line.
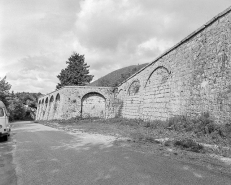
<point>189,144</point>
<point>17,110</point>
<point>155,124</point>
<point>179,123</point>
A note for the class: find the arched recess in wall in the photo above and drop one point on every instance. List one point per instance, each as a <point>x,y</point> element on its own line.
<point>134,88</point>
<point>46,107</point>
<point>39,109</point>
<point>51,108</point>
<point>93,104</point>
<point>118,108</point>
<point>56,106</point>
<point>132,102</point>
<point>119,95</point>
<point>156,97</point>
<point>115,91</point>
<point>159,68</point>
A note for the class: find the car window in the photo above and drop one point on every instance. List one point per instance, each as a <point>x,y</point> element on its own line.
<point>1,112</point>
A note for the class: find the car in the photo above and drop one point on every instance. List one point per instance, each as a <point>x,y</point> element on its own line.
<point>4,122</point>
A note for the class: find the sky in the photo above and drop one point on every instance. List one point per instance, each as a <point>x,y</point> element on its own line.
<point>38,36</point>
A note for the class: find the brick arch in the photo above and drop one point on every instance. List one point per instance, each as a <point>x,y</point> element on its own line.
<point>50,108</point>
<point>157,68</point>
<point>115,92</point>
<point>132,100</point>
<point>134,87</point>
<point>156,99</point>
<point>39,109</point>
<point>95,91</point>
<point>93,104</point>
<point>52,98</point>
<point>57,97</point>
<point>46,107</point>
<point>119,93</point>
<point>56,106</point>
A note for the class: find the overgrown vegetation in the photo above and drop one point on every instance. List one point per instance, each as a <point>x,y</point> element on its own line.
<point>201,126</point>
<point>76,72</point>
<point>21,105</point>
<point>189,144</point>
<point>4,91</point>
<point>182,132</point>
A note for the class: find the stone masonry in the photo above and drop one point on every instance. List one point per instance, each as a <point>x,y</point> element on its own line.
<point>72,101</point>
<point>191,78</point>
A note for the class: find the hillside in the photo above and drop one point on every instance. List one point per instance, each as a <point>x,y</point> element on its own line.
<point>116,77</point>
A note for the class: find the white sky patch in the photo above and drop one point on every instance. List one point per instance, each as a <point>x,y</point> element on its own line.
<point>154,43</point>
<point>38,37</point>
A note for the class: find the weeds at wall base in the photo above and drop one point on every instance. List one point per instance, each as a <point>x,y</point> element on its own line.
<point>185,131</point>
<point>203,126</point>
<point>190,145</point>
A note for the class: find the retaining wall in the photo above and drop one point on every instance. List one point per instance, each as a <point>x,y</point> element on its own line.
<point>75,101</point>
<point>191,78</point>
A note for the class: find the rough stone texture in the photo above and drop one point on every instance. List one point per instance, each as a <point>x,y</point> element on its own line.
<point>191,78</point>
<point>74,101</point>
<point>93,105</point>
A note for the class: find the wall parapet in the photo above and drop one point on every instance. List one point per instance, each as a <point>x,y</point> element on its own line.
<point>200,29</point>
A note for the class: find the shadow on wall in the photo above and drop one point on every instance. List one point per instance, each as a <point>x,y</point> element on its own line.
<point>118,107</point>
<point>56,107</point>
<point>45,108</point>
<point>51,108</point>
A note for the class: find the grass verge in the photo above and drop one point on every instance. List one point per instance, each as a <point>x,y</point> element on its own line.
<point>179,132</point>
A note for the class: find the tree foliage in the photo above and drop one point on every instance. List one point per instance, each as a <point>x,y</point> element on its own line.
<point>21,105</point>
<point>24,105</point>
<point>4,91</point>
<point>17,109</point>
<point>29,99</point>
<point>76,72</point>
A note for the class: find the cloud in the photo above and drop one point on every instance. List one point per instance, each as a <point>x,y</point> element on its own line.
<point>33,73</point>
<point>37,37</point>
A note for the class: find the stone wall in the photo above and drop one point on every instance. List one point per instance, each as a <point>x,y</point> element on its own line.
<point>190,78</point>
<point>75,101</point>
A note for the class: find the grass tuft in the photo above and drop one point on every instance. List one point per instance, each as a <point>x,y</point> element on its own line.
<point>190,145</point>
<point>179,129</point>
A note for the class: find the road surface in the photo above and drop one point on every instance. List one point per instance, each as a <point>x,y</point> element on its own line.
<point>40,155</point>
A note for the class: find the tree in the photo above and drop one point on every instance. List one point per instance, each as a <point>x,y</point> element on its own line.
<point>4,91</point>
<point>76,72</point>
<point>16,109</point>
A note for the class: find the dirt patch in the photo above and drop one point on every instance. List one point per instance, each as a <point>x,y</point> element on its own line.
<point>156,137</point>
